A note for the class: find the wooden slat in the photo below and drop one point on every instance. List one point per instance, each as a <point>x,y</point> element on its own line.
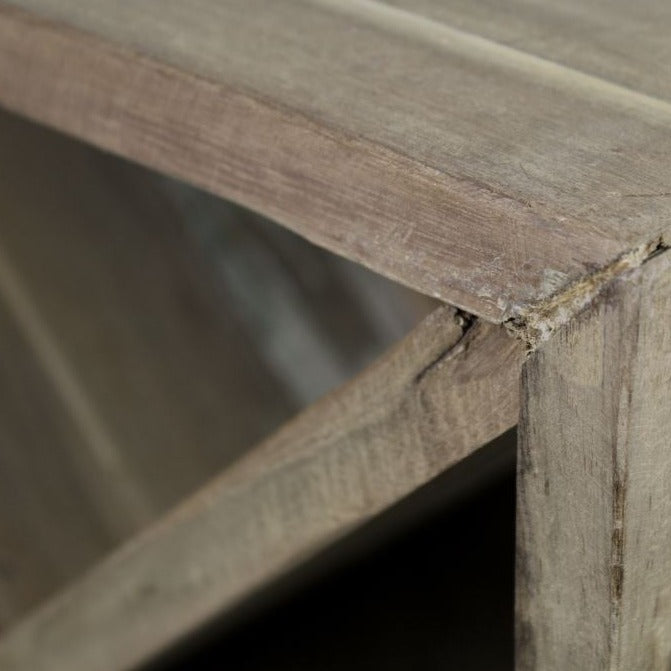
<point>474,171</point>
<point>446,389</point>
<point>594,486</point>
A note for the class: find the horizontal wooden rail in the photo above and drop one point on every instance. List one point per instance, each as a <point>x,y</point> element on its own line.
<point>446,389</point>
<point>488,175</point>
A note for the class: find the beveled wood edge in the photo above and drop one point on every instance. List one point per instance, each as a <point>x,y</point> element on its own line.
<point>340,191</point>
<point>445,390</point>
<point>113,98</point>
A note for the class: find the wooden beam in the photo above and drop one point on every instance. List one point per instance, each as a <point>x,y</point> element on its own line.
<point>594,486</point>
<point>445,390</point>
<point>478,173</point>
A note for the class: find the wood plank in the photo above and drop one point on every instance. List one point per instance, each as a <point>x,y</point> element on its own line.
<point>594,486</point>
<point>448,388</point>
<point>481,174</point>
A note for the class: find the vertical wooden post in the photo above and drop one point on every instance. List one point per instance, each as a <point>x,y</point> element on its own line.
<point>594,486</point>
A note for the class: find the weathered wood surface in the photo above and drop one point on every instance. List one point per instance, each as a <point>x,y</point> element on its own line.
<point>486,174</point>
<point>594,486</point>
<point>446,389</point>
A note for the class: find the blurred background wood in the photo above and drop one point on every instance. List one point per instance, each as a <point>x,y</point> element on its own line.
<point>152,334</point>
<point>490,158</point>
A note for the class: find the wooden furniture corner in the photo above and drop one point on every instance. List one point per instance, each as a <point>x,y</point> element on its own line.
<point>489,155</point>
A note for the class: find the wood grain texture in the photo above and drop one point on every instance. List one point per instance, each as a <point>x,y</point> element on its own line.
<point>448,388</point>
<point>485,175</point>
<point>594,486</point>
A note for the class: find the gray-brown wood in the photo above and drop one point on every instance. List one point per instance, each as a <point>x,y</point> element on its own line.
<point>446,389</point>
<point>490,176</point>
<point>594,486</point>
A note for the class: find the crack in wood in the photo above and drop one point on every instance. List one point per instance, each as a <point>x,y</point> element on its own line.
<point>466,322</point>
<point>536,323</point>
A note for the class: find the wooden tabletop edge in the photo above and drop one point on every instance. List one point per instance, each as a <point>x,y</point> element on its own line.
<point>360,198</point>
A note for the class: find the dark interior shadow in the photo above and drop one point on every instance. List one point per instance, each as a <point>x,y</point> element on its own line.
<point>428,585</point>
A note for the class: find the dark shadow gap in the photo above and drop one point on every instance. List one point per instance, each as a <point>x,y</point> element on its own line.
<point>426,585</point>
